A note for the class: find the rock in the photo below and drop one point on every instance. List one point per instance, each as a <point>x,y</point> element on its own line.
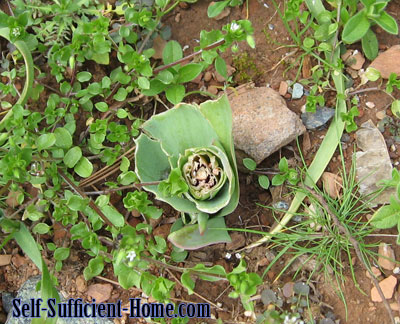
<point>386,257</point>
<point>12,198</point>
<point>197,80</point>
<point>262,123</point>
<point>298,91</point>
<point>283,88</point>
<point>370,104</point>
<point>178,17</point>
<point>207,76</point>
<point>183,5</point>
<point>28,291</point>
<point>375,271</point>
<point>381,114</point>
<point>18,260</point>
<point>388,62</point>
<point>287,289</point>
<point>212,89</point>
<point>100,292</point>
<point>373,162</point>
<point>238,241</point>
<point>223,14</point>
<point>135,213</point>
<point>268,297</point>
<point>81,284</point>
<point>387,285</point>
<point>395,307</point>
<point>306,67</point>
<point>354,59</point>
<point>332,184</point>
<point>317,119</point>
<point>5,259</point>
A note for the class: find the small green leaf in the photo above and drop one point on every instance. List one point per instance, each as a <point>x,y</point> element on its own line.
<point>63,138</point>
<point>61,253</point>
<point>84,168</point>
<point>165,77</point>
<point>188,282</point>
<point>249,164</point>
<point>94,268</point>
<point>175,93</point>
<point>45,141</point>
<point>372,74</point>
<point>127,178</point>
<point>263,181</point>
<point>101,106</point>
<point>121,94</point>
<point>72,156</point>
<point>189,72</point>
<point>125,163</point>
<point>278,179</point>
<point>385,217</point>
<point>121,113</point>
<point>395,108</point>
<point>41,228</point>
<point>387,23</point>
<point>77,203</point>
<point>220,67</point>
<point>283,165</point>
<point>356,27</point>
<point>172,52</point>
<point>175,185</point>
<point>216,8</point>
<point>113,215</point>
<point>143,83</point>
<point>308,42</point>
<point>83,76</point>
<point>370,45</point>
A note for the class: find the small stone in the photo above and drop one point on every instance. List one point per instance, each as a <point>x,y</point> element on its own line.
<point>238,241</point>
<point>370,104</point>
<point>355,60</point>
<point>395,307</point>
<point>388,62</point>
<point>212,89</point>
<point>178,17</point>
<point>298,91</point>
<point>135,213</point>
<point>381,114</point>
<point>317,119</point>
<point>207,76</point>
<point>262,123</point>
<point>387,285</point>
<point>287,289</point>
<point>396,270</point>
<point>158,45</point>
<point>5,259</point>
<point>283,88</point>
<point>386,257</point>
<point>393,148</point>
<point>197,80</point>
<point>183,5</point>
<point>219,77</point>
<point>100,292</point>
<point>81,284</point>
<point>18,260</point>
<point>375,271</point>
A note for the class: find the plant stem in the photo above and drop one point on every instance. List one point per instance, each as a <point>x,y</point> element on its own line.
<point>135,185</point>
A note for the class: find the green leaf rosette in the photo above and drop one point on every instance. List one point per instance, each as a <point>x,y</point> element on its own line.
<point>195,142</point>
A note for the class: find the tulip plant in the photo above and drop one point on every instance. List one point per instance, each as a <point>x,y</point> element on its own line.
<point>188,153</point>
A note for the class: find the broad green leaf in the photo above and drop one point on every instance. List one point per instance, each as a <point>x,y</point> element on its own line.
<point>188,282</point>
<point>61,253</point>
<point>386,217</point>
<point>45,141</point>
<point>63,138</point>
<point>28,245</point>
<point>144,83</point>
<point>121,94</point>
<point>165,77</point>
<point>72,157</point>
<point>101,106</point>
<point>128,277</point>
<point>41,228</point>
<point>84,167</point>
<point>113,215</point>
<point>370,45</point>
<point>94,268</point>
<point>77,203</point>
<point>127,178</point>
<point>387,23</point>
<point>125,163</point>
<point>220,67</point>
<point>83,76</point>
<point>356,27</point>
<point>250,164</point>
<point>395,108</point>
<point>47,291</point>
<point>189,72</point>
<point>263,181</point>
<point>216,8</point>
<point>101,58</point>
<point>175,93</point>
<point>189,237</point>
<point>172,52</point>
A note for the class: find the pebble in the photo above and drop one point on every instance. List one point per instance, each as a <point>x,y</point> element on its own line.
<point>386,253</point>
<point>388,62</point>
<point>100,292</point>
<point>395,307</point>
<point>396,270</point>
<point>370,104</point>
<point>387,285</point>
<point>287,289</point>
<point>317,119</point>
<point>135,213</point>
<point>298,91</point>
<point>355,60</point>
<point>5,259</point>
<point>375,271</point>
<point>393,148</point>
<point>178,17</point>
<point>207,76</point>
<point>283,88</point>
<point>212,89</point>
<point>332,184</point>
<point>238,241</point>
<point>183,5</point>
<point>380,114</point>
<point>81,284</point>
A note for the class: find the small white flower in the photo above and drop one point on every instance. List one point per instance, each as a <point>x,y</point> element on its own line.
<point>131,256</point>
<point>228,255</point>
<point>234,26</point>
<point>16,32</point>
<point>238,256</point>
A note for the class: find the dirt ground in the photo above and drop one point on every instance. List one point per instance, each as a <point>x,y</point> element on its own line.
<point>263,69</point>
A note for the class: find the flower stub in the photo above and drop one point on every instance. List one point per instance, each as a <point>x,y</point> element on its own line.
<point>204,175</point>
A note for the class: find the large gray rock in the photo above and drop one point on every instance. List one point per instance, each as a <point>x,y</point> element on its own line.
<point>262,123</point>
<point>28,291</point>
<point>373,162</point>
